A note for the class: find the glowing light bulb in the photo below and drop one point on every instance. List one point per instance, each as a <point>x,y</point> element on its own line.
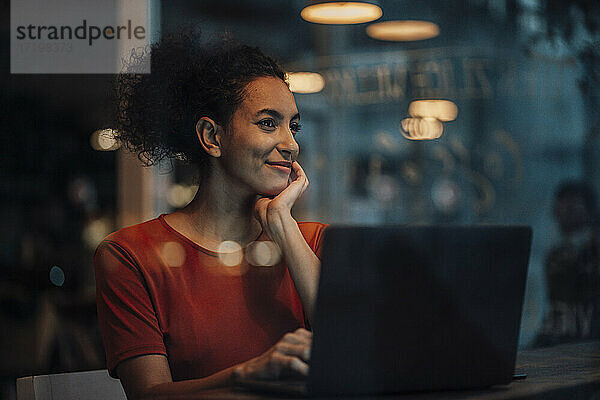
<point>415,128</point>
<point>341,12</point>
<point>442,110</point>
<point>403,31</point>
<point>305,82</point>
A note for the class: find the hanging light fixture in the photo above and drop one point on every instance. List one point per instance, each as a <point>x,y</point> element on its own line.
<point>442,110</point>
<point>305,82</point>
<point>417,128</point>
<point>403,31</point>
<point>426,116</point>
<point>341,12</point>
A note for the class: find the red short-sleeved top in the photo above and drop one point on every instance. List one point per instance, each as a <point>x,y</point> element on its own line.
<point>160,293</point>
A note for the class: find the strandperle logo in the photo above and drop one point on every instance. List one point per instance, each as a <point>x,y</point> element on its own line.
<point>81,32</point>
<point>81,36</point>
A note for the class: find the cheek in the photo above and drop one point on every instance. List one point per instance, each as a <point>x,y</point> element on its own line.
<point>241,151</point>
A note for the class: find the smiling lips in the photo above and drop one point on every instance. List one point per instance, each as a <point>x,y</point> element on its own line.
<point>283,166</point>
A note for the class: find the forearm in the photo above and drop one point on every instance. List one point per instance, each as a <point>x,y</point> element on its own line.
<point>149,376</point>
<point>303,264</point>
<point>188,389</point>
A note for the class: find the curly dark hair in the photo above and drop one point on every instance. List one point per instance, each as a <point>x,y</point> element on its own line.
<point>157,112</point>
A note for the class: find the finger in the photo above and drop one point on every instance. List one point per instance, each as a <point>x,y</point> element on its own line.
<point>297,340</point>
<point>293,174</point>
<point>297,177</point>
<point>289,195</point>
<point>300,350</point>
<point>305,186</point>
<point>298,366</point>
<point>294,190</point>
<point>303,332</point>
<point>260,208</point>
<point>298,170</point>
<point>290,365</point>
<point>301,176</point>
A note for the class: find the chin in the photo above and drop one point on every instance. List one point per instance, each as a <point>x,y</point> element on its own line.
<point>272,191</point>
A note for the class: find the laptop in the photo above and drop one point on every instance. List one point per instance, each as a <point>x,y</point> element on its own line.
<point>414,308</point>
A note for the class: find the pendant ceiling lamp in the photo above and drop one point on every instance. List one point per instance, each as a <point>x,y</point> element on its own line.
<point>426,116</point>
<point>403,31</point>
<point>415,128</point>
<point>442,110</point>
<point>305,82</point>
<point>341,12</point>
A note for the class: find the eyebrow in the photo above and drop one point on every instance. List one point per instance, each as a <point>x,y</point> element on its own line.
<point>275,114</point>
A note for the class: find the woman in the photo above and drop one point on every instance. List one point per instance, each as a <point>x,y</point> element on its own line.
<point>177,327</point>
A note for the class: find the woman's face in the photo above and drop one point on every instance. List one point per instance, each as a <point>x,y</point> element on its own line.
<point>260,145</point>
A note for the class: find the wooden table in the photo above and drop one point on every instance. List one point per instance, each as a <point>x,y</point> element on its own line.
<point>564,372</point>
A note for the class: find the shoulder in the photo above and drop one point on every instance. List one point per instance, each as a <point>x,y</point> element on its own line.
<point>135,233</point>
<point>128,244</point>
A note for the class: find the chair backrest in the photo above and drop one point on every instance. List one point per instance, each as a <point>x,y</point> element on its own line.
<point>89,385</point>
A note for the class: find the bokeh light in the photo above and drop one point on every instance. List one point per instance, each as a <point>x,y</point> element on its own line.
<point>445,194</point>
<point>57,276</point>
<point>305,82</point>
<point>383,188</point>
<point>386,142</point>
<point>173,254</point>
<point>180,195</point>
<point>411,173</point>
<point>263,254</point>
<point>104,140</point>
<point>95,231</point>
<point>341,12</point>
<point>230,253</point>
<point>403,31</point>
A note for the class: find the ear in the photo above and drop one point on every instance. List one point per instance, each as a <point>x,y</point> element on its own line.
<point>209,135</point>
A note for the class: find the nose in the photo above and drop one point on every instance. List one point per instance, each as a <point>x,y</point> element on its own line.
<point>288,145</point>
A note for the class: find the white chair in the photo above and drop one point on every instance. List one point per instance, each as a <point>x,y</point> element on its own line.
<point>89,385</point>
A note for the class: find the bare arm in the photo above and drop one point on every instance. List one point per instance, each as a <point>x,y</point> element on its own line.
<point>149,376</point>
<point>303,264</point>
<point>276,218</point>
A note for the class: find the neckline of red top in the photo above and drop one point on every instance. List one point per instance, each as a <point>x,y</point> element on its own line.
<point>189,241</point>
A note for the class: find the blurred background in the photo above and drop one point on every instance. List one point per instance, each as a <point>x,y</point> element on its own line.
<point>519,121</point>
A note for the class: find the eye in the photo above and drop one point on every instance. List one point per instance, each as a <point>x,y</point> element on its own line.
<point>295,127</point>
<point>267,124</point>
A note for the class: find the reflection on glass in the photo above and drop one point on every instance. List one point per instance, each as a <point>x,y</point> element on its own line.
<point>263,254</point>
<point>180,195</point>
<point>173,254</point>
<point>230,253</point>
<point>57,276</point>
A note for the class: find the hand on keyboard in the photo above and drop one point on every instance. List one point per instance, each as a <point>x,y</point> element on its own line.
<point>287,358</point>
